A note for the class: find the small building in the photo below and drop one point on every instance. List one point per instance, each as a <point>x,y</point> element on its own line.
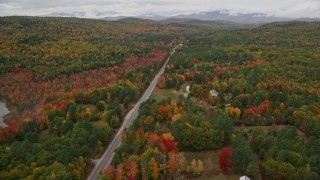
<point>188,88</point>
<point>244,178</point>
<point>214,93</point>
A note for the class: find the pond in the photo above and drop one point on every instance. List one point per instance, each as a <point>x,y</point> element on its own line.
<point>3,111</point>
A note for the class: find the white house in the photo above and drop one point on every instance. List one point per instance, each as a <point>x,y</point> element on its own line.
<point>214,93</point>
<point>244,178</point>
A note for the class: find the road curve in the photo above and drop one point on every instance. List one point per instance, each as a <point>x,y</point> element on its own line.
<point>106,158</point>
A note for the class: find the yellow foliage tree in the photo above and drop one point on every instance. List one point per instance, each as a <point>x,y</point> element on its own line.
<point>181,162</point>
<point>155,168</point>
<point>223,86</point>
<point>149,120</point>
<point>194,166</point>
<point>168,136</point>
<point>199,167</point>
<point>88,112</point>
<point>176,117</point>
<point>234,112</point>
<point>78,167</point>
<point>162,82</point>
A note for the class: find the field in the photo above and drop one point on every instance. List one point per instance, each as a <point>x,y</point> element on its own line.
<point>162,94</point>
<point>214,157</point>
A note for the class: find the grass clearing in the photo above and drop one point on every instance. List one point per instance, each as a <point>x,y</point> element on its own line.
<point>162,94</point>
<point>99,123</point>
<point>204,156</point>
<point>245,129</point>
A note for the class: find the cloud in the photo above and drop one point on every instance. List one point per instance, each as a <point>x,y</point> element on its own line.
<point>304,9</point>
<point>99,8</point>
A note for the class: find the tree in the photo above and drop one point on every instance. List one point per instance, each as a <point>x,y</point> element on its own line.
<point>119,172</point>
<point>80,98</point>
<point>172,164</point>
<point>162,111</point>
<point>170,145</point>
<point>208,167</point>
<point>313,128</point>
<point>199,167</point>
<point>132,169</point>
<point>181,162</point>
<point>162,82</point>
<point>115,122</point>
<point>32,137</point>
<point>99,147</point>
<point>168,142</point>
<point>78,167</point>
<point>292,157</point>
<point>9,133</point>
<point>252,170</point>
<point>157,127</point>
<point>241,155</point>
<point>234,112</point>
<point>223,126</point>
<point>100,106</point>
<point>155,168</point>
<point>224,160</point>
<point>194,166</point>
<point>109,172</point>
<point>148,123</point>
<point>278,169</point>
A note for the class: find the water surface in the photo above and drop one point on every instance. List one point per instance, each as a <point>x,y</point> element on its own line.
<point>3,111</point>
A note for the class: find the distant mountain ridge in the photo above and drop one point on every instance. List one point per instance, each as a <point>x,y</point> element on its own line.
<point>239,17</point>
<point>223,15</point>
<point>216,24</point>
<point>213,25</point>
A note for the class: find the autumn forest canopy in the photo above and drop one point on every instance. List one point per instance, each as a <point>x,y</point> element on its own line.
<point>233,100</point>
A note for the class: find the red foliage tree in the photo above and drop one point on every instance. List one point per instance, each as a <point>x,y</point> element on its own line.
<point>153,139</point>
<point>172,164</point>
<point>109,172</point>
<point>132,170</point>
<point>169,144</point>
<point>264,107</point>
<point>196,61</point>
<point>162,110</point>
<point>140,135</point>
<point>119,172</point>
<point>224,160</point>
<point>62,104</point>
<point>41,119</point>
<point>10,131</point>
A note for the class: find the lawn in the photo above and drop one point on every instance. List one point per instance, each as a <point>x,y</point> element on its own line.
<point>214,157</point>
<point>244,129</point>
<point>162,94</point>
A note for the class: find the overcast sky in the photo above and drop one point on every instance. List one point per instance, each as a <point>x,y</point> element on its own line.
<point>101,8</point>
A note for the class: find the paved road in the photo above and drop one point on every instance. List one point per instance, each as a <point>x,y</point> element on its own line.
<point>106,158</point>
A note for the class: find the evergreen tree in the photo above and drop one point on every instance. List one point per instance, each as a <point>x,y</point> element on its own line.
<point>241,155</point>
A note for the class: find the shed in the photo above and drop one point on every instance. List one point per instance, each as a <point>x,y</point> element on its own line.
<point>188,88</point>
<point>244,178</point>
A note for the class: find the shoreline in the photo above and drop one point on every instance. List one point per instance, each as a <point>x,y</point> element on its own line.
<point>3,112</point>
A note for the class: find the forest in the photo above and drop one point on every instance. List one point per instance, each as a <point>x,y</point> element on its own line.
<point>68,83</point>
<point>231,102</point>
